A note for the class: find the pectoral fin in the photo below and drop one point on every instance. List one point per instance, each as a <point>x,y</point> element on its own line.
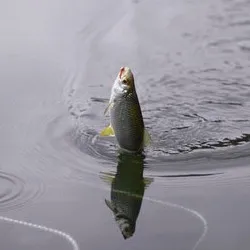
<point>146,138</point>
<point>110,105</point>
<point>147,181</point>
<point>108,131</point>
<point>110,205</point>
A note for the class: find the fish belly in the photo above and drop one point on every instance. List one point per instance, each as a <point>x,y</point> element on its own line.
<point>127,122</point>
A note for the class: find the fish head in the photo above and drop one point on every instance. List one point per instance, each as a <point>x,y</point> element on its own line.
<point>127,228</point>
<point>124,82</point>
<point>126,78</point>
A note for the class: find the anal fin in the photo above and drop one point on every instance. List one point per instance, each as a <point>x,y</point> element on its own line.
<point>146,138</point>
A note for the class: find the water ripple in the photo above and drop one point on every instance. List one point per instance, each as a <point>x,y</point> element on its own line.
<point>16,192</point>
<point>80,142</point>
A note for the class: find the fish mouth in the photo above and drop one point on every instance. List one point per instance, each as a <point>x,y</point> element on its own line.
<point>127,234</point>
<point>125,77</point>
<point>121,72</point>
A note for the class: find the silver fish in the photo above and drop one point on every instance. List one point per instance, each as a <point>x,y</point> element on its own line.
<point>126,120</point>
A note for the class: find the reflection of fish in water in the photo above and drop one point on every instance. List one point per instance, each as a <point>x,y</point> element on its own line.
<point>127,190</point>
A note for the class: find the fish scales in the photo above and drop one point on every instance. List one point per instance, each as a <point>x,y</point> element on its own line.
<point>127,121</point>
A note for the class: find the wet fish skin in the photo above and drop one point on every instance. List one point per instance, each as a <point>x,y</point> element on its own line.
<point>126,120</point>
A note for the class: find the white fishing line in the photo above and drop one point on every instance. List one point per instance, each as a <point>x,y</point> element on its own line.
<point>73,242</point>
<point>62,234</point>
<point>189,210</point>
<point>169,204</point>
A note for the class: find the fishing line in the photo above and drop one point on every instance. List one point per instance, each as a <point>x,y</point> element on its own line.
<point>62,234</point>
<point>166,203</point>
<point>189,210</point>
<point>73,242</point>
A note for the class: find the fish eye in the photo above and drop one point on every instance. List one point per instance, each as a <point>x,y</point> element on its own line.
<point>125,81</point>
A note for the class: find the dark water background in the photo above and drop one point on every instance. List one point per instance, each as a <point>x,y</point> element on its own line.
<point>191,61</point>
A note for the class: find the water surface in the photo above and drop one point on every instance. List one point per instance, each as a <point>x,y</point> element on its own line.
<point>191,63</point>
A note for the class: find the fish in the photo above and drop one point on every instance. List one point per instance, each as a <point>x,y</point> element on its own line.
<point>126,120</point>
<point>127,191</point>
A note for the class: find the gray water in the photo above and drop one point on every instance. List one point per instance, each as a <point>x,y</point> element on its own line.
<point>191,61</point>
